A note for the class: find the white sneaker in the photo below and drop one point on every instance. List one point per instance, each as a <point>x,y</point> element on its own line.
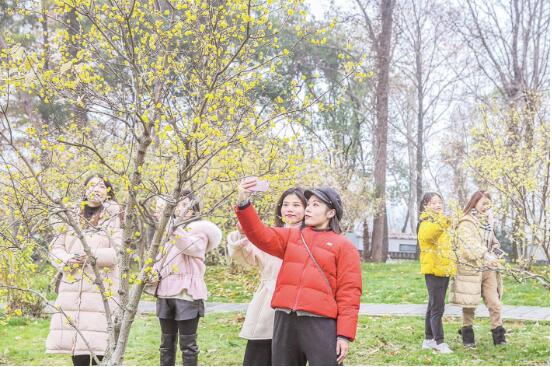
<point>442,348</point>
<point>428,344</point>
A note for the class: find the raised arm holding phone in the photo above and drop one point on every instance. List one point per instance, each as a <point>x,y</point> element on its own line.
<point>317,295</point>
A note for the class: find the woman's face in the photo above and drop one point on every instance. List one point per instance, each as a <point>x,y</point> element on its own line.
<point>483,205</point>
<point>435,204</point>
<point>95,192</point>
<point>292,211</point>
<point>180,212</point>
<point>318,213</point>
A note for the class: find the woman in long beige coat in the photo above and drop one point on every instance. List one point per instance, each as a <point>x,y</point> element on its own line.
<point>79,326</point>
<point>477,252</point>
<point>259,320</point>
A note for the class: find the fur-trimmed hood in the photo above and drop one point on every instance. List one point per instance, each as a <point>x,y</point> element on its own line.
<point>213,233</point>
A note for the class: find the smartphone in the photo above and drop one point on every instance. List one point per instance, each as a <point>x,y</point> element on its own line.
<point>260,186</point>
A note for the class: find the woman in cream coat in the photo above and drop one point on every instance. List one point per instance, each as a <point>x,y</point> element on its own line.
<point>259,320</point>
<point>79,302</point>
<point>478,265</point>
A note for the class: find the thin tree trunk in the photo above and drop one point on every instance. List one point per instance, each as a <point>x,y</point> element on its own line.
<point>420,131</point>
<point>365,241</point>
<point>73,29</point>
<point>406,219</point>
<point>413,174</point>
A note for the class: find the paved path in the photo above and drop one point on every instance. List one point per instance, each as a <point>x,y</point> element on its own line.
<point>508,312</point>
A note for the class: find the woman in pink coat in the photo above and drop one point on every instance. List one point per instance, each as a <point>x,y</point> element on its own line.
<point>181,290</point>
<point>79,326</point>
<point>259,320</point>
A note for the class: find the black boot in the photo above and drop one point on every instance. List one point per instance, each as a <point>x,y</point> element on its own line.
<point>468,337</point>
<point>499,335</point>
<point>189,349</point>
<point>167,350</point>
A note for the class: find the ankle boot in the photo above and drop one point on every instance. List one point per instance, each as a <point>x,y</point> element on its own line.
<point>499,335</point>
<point>189,349</point>
<point>468,337</point>
<point>167,350</point>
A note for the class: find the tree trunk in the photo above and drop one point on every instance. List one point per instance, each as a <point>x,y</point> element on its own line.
<point>406,218</point>
<point>383,47</point>
<point>365,241</point>
<point>385,247</point>
<point>412,176</point>
<point>420,131</point>
<point>74,29</point>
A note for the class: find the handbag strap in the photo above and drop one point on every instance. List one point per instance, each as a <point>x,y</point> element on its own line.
<point>316,264</point>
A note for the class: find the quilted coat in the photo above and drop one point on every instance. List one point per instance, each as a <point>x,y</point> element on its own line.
<point>471,247</point>
<point>301,286</point>
<point>182,264</point>
<point>436,255</point>
<point>78,296</point>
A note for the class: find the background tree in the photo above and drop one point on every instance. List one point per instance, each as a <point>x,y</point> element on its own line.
<point>381,44</point>
<point>509,42</point>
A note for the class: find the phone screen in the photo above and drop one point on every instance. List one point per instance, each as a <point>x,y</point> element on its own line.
<point>260,186</point>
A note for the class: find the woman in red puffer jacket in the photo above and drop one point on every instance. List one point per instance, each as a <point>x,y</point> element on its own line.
<point>318,289</point>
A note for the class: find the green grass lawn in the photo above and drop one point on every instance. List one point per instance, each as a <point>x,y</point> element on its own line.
<point>382,283</point>
<point>403,283</point>
<point>380,341</point>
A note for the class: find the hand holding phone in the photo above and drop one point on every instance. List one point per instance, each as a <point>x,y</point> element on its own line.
<point>250,185</point>
<point>260,186</point>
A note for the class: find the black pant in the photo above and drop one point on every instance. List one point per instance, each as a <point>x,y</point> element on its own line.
<point>184,327</point>
<point>437,290</point>
<point>258,353</point>
<point>84,360</point>
<point>298,339</point>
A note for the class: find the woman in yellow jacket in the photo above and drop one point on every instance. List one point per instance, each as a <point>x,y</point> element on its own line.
<point>437,263</point>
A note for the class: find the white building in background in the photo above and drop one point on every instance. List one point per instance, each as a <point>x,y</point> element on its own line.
<point>401,245</point>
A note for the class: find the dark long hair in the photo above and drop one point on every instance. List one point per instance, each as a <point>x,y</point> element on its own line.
<point>299,192</point>
<point>478,195</point>
<point>425,200</point>
<point>89,211</point>
<point>196,207</point>
<point>334,222</point>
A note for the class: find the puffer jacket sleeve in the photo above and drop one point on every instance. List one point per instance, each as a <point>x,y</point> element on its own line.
<point>429,232</point>
<point>271,240</point>
<point>349,290</point>
<point>107,256</point>
<point>58,252</point>
<point>469,245</point>
<point>191,244</point>
<point>242,250</point>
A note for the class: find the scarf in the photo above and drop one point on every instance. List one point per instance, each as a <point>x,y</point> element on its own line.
<point>484,224</point>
